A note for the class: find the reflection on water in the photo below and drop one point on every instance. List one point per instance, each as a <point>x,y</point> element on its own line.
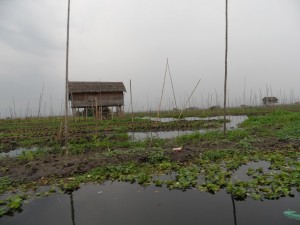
<point>163,120</point>
<point>232,124</point>
<point>241,173</point>
<point>123,203</point>
<point>160,134</point>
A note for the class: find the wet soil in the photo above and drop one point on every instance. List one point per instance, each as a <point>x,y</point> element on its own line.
<point>58,166</point>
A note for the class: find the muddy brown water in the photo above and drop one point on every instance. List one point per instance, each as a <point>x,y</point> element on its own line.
<point>123,203</point>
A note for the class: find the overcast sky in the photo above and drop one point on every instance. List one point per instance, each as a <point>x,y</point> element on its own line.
<point>119,40</point>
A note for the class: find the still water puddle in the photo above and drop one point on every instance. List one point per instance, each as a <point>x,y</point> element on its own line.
<point>123,203</point>
<point>16,152</point>
<point>137,136</point>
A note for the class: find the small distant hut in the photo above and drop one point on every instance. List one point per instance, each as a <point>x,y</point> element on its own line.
<point>98,97</point>
<point>215,107</point>
<point>270,100</point>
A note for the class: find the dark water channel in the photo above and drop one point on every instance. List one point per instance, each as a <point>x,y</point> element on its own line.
<point>123,203</point>
<point>232,124</point>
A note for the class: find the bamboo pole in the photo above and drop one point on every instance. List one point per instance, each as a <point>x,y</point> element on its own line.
<point>10,112</point>
<point>40,101</point>
<point>51,107</point>
<point>131,102</point>
<point>226,55</point>
<point>96,109</point>
<point>189,98</point>
<point>244,94</point>
<point>15,114</point>
<point>162,92</point>
<point>67,80</point>
<point>101,109</point>
<point>45,107</point>
<point>27,110</point>
<point>172,84</point>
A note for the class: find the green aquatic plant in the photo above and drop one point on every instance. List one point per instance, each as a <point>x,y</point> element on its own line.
<point>246,143</point>
<point>143,178</point>
<point>186,178</point>
<point>159,183</point>
<point>237,134</point>
<point>69,185</point>
<point>238,189</point>
<point>156,155</point>
<point>215,177</point>
<point>112,153</point>
<point>290,132</point>
<point>214,155</point>
<point>76,149</point>
<point>5,184</point>
<point>165,166</point>
<point>11,204</point>
<point>209,187</point>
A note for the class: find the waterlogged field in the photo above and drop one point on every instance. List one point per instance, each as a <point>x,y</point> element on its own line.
<point>257,161</point>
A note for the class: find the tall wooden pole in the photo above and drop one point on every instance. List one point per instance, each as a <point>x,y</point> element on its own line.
<point>189,99</point>
<point>226,53</point>
<point>67,80</point>
<point>131,104</point>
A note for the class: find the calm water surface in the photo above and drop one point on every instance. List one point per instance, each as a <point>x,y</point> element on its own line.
<point>136,136</point>
<point>123,203</point>
<point>16,152</point>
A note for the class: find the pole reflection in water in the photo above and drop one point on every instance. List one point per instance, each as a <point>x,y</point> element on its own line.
<point>234,210</point>
<point>124,203</point>
<point>72,208</point>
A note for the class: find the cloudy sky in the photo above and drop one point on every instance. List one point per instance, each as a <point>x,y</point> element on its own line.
<point>119,40</point>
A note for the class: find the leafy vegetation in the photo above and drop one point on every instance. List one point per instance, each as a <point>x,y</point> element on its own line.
<point>5,183</point>
<point>271,138</point>
<point>11,204</point>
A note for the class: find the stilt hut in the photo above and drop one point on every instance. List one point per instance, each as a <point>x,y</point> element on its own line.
<point>269,100</point>
<point>98,97</point>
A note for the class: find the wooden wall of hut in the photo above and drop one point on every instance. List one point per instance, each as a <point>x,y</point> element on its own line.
<point>84,100</point>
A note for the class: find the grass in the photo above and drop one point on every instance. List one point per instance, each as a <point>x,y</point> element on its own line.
<point>5,184</point>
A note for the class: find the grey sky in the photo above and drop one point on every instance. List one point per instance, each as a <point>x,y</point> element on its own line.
<point>121,40</point>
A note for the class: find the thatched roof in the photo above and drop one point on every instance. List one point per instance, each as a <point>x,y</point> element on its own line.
<point>95,87</point>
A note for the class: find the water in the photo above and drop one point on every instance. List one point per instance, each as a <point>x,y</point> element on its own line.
<point>234,120</point>
<point>160,134</point>
<point>241,173</point>
<point>232,124</point>
<point>163,120</point>
<point>16,152</point>
<point>123,203</point>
